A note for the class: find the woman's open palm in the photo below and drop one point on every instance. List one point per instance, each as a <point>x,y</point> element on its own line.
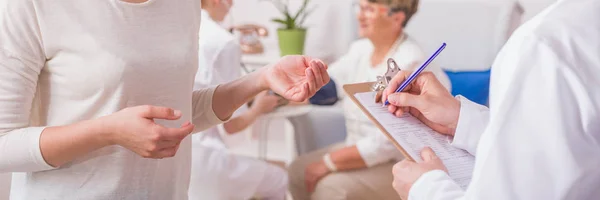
<point>297,78</point>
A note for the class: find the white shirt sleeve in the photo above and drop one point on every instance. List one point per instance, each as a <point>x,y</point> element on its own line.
<point>237,113</point>
<point>445,188</point>
<point>225,67</point>
<point>472,120</point>
<point>340,70</point>
<point>21,60</point>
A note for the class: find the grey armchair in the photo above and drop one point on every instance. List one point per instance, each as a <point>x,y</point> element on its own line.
<point>323,126</point>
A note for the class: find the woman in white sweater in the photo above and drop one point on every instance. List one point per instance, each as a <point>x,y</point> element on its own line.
<point>96,96</point>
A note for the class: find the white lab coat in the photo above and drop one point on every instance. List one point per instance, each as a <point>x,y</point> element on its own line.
<point>216,173</point>
<point>540,139</point>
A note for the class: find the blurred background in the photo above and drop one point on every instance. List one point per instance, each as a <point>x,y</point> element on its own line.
<point>474,29</point>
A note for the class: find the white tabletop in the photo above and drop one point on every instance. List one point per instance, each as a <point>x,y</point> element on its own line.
<point>289,111</point>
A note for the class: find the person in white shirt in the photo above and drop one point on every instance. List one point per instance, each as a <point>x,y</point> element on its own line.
<point>97,99</point>
<point>540,138</point>
<point>215,171</point>
<point>360,167</point>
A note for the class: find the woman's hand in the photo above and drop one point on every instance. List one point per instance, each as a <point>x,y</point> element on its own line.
<point>296,78</point>
<point>313,174</point>
<point>134,128</point>
<point>264,103</point>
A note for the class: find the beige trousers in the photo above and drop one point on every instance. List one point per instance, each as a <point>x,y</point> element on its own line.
<point>373,183</point>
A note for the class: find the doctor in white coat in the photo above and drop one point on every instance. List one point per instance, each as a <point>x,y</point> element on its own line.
<point>216,173</point>
<point>540,138</point>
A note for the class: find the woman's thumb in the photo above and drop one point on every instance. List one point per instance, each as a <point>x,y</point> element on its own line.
<point>428,154</point>
<point>403,99</point>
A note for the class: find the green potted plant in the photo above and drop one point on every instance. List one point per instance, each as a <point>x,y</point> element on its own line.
<point>292,33</point>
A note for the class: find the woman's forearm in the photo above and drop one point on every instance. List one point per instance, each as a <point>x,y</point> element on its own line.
<point>230,96</point>
<point>62,144</point>
<point>240,123</point>
<point>347,158</point>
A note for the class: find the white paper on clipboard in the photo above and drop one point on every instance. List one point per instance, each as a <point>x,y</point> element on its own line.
<point>413,136</point>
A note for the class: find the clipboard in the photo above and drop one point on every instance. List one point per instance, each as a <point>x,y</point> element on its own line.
<point>352,89</point>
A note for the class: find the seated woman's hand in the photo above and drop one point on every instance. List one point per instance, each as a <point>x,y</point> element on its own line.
<point>134,128</point>
<point>296,78</point>
<point>313,174</point>
<point>426,99</point>
<point>265,103</point>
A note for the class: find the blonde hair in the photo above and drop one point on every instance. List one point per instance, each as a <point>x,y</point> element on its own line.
<point>409,7</point>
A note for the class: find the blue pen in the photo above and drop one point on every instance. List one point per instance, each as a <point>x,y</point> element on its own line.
<point>414,75</point>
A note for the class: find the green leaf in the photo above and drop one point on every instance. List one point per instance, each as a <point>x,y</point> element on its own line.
<point>292,24</point>
<point>291,21</point>
<point>302,9</point>
<point>287,13</point>
<point>304,16</point>
<point>280,21</point>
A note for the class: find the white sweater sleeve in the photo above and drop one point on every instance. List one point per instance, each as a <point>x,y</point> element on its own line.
<point>226,67</point>
<point>340,71</point>
<point>204,116</point>
<point>21,60</point>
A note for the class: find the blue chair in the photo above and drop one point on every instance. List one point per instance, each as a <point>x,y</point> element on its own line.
<point>326,96</point>
<point>474,85</point>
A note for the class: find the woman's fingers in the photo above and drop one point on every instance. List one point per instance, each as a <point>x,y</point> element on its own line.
<point>168,152</point>
<point>312,82</point>
<point>157,112</point>
<point>403,99</point>
<point>323,71</point>
<point>316,69</point>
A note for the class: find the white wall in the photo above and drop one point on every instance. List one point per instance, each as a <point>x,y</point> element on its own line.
<point>532,7</point>
<point>333,21</point>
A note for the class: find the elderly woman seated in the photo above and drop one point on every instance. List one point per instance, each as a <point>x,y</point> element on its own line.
<point>361,167</point>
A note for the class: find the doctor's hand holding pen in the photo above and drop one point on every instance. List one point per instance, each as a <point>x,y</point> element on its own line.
<point>429,101</point>
<point>426,99</point>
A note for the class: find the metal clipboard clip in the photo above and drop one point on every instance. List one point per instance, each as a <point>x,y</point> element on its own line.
<point>383,81</point>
